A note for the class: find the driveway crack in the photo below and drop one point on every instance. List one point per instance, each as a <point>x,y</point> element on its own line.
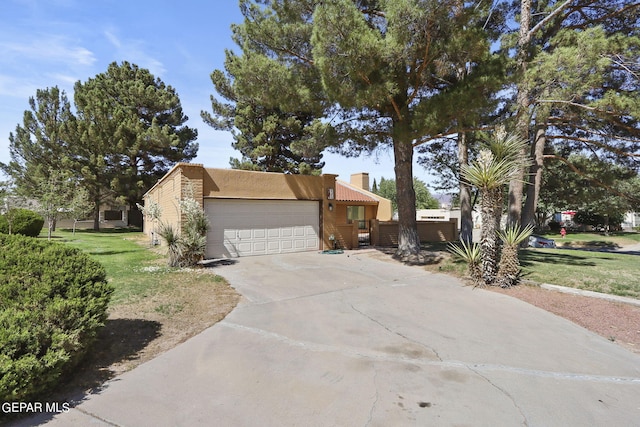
<point>400,334</point>
<point>377,396</point>
<point>95,416</point>
<point>525,422</point>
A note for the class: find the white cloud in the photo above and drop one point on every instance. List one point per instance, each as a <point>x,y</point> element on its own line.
<point>64,80</point>
<point>15,87</point>
<point>48,48</point>
<point>113,39</point>
<point>135,52</point>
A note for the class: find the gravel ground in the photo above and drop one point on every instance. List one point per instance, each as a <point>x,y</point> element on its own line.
<point>615,321</point>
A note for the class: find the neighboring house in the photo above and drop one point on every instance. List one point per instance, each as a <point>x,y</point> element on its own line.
<point>442,214</point>
<point>111,216</point>
<point>451,214</point>
<point>631,221</point>
<point>257,213</point>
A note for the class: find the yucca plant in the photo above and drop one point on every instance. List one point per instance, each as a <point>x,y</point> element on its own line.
<point>495,167</point>
<point>509,266</point>
<point>174,244</point>
<point>470,253</point>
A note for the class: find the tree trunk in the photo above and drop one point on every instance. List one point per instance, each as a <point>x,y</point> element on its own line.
<point>535,177</point>
<point>523,102</point>
<point>408,239</point>
<point>466,217</point>
<point>96,215</point>
<point>491,213</point>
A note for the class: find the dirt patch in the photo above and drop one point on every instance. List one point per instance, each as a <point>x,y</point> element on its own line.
<point>137,332</point>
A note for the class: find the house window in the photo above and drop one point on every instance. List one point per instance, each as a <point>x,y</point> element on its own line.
<point>112,215</point>
<point>356,213</point>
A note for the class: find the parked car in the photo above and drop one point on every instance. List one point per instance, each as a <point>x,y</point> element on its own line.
<point>541,242</point>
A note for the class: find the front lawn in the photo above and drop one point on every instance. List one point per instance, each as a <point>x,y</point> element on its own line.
<point>595,240</point>
<point>153,307</point>
<point>611,273</point>
<point>133,268</point>
<point>576,264</point>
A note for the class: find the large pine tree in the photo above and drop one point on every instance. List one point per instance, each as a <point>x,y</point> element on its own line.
<point>130,129</point>
<point>40,145</point>
<point>381,73</point>
<point>574,83</point>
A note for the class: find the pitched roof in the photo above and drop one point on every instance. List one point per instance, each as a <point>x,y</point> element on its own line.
<point>349,193</point>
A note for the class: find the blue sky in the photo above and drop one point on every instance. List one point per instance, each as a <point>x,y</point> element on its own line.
<point>46,43</point>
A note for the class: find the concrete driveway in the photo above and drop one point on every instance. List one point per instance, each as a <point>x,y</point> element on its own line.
<point>352,340</point>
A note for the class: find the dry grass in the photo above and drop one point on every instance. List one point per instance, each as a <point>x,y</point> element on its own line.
<point>156,308</point>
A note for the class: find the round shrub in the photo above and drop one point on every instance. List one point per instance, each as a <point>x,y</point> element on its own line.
<point>53,300</point>
<point>24,221</point>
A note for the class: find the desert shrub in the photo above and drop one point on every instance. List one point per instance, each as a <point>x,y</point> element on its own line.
<point>174,247</point>
<point>53,300</point>
<point>23,221</point>
<point>193,240</point>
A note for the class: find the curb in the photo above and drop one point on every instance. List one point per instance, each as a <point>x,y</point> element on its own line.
<point>574,291</point>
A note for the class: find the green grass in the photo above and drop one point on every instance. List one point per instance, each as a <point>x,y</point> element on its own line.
<point>606,272</point>
<point>132,267</point>
<point>611,273</point>
<point>596,240</point>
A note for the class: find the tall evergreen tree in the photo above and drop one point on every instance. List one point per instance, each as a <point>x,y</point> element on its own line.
<point>381,73</point>
<point>269,138</point>
<point>571,80</point>
<point>40,145</point>
<point>129,132</point>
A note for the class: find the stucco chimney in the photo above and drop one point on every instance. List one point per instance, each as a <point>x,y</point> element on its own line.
<point>360,180</point>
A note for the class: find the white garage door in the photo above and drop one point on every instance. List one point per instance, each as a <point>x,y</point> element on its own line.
<point>261,227</point>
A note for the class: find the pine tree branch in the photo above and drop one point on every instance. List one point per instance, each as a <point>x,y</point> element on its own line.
<point>571,103</point>
<point>552,15</point>
<point>421,70</point>
<point>612,116</point>
<point>590,178</point>
<point>428,138</point>
<point>608,16</point>
<point>596,143</point>
<point>559,121</point>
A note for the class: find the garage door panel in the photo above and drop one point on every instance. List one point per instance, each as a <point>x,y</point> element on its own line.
<point>257,227</point>
<point>245,234</point>
<point>259,247</point>
<point>274,232</point>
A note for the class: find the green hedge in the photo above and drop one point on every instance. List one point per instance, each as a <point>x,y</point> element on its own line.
<point>25,222</point>
<point>53,300</point>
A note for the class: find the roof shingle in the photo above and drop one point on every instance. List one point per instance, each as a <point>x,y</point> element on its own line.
<point>349,193</point>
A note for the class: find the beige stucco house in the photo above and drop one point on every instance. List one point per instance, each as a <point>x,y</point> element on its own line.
<point>257,213</point>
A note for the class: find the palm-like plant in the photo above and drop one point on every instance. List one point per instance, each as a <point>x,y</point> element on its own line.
<point>509,267</point>
<point>496,165</point>
<point>174,247</point>
<point>470,253</point>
